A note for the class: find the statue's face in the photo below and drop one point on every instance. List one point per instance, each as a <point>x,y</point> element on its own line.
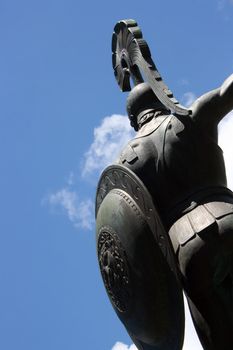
<point>145,117</point>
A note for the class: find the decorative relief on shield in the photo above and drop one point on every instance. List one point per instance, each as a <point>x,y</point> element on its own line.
<point>114,268</point>
<point>117,177</point>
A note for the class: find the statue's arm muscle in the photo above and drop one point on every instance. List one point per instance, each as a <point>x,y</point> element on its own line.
<point>214,105</point>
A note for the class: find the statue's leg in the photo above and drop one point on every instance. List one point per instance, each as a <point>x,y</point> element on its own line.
<point>206,264</point>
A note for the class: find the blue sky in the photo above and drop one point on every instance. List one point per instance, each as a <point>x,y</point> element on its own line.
<point>58,99</point>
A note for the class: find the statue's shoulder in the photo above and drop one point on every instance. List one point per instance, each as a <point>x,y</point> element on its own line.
<point>128,153</point>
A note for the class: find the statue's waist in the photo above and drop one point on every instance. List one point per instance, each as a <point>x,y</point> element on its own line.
<point>198,220</point>
<point>192,201</point>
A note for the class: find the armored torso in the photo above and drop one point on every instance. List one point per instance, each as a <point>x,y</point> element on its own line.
<point>180,164</point>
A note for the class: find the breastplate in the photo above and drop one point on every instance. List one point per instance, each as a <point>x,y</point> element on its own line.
<point>178,163</point>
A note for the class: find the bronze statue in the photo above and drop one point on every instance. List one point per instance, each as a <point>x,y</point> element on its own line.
<point>176,157</point>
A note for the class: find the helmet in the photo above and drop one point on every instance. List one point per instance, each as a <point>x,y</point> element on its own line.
<point>142,99</point>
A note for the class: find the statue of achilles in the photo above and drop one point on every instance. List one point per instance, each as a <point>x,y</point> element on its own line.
<point>176,156</point>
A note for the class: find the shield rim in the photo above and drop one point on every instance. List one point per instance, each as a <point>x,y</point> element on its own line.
<point>117,176</point>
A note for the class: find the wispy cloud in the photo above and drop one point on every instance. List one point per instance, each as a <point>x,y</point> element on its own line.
<point>226,143</point>
<point>122,346</point>
<point>86,214</point>
<point>109,138</point>
<point>79,212</point>
<point>188,98</point>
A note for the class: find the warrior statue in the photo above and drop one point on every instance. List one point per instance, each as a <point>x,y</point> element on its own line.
<point>175,163</point>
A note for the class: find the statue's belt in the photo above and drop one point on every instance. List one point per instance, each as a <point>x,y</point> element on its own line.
<point>195,198</point>
<point>201,216</point>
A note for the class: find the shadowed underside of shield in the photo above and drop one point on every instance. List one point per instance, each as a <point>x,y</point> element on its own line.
<point>137,262</point>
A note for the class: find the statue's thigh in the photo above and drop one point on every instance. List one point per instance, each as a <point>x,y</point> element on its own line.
<point>206,259</point>
<point>225,226</point>
<point>206,264</point>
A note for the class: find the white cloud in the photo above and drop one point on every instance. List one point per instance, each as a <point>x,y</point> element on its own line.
<point>86,214</point>
<point>80,213</point>
<point>122,346</point>
<point>188,98</point>
<point>67,200</point>
<point>226,143</point>
<point>109,138</point>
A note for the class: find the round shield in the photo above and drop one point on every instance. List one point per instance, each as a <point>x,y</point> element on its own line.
<point>137,263</point>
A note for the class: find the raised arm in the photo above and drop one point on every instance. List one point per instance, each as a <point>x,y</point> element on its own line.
<point>211,107</point>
